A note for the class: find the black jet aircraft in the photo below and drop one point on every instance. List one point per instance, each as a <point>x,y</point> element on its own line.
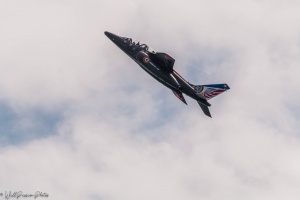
<point>160,66</point>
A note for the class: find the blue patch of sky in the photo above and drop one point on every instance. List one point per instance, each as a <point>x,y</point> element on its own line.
<point>168,108</point>
<point>161,95</point>
<point>17,128</point>
<point>293,109</point>
<point>294,112</point>
<point>205,64</point>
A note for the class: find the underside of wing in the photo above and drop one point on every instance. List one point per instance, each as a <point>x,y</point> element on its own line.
<point>179,96</point>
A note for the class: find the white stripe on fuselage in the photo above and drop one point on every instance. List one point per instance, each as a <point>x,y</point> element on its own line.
<point>145,68</point>
<point>181,78</point>
<point>154,66</point>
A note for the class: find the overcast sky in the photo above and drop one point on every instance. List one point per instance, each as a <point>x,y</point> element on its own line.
<point>80,120</point>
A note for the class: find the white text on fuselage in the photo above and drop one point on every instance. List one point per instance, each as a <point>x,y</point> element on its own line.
<point>154,66</point>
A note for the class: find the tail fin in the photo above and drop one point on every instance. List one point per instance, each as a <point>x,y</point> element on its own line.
<point>210,91</point>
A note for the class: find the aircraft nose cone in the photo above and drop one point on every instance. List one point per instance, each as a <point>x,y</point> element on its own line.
<point>119,41</point>
<point>107,33</point>
<point>111,35</point>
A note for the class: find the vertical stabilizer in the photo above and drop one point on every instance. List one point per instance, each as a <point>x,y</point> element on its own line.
<point>210,91</point>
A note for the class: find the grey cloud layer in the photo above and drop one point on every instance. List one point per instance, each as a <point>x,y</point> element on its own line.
<point>121,135</point>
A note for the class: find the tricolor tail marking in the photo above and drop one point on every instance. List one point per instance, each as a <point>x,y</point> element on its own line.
<point>210,91</point>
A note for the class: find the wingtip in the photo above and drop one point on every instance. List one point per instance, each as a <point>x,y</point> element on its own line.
<point>226,87</point>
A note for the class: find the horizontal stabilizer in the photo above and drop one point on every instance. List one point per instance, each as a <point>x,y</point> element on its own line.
<point>204,109</point>
<point>179,96</point>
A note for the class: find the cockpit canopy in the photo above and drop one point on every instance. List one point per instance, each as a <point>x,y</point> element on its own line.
<point>132,41</point>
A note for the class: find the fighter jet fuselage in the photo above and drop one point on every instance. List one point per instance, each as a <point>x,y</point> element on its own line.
<point>160,66</point>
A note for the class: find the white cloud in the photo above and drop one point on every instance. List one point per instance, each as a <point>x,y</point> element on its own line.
<point>122,134</point>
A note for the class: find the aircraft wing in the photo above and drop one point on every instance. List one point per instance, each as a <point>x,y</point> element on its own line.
<point>163,59</point>
<point>179,96</point>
